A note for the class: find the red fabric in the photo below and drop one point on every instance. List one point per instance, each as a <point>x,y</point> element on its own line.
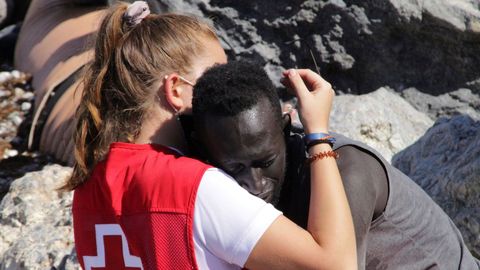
<point>147,193</point>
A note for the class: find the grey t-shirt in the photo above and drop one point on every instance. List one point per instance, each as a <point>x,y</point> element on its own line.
<point>412,232</point>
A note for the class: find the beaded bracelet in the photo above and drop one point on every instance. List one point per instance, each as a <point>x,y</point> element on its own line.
<point>321,155</point>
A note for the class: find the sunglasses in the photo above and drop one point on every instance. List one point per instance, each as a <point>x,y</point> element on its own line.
<point>185,80</point>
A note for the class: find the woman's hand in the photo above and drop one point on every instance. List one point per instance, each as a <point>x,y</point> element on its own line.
<point>315,96</point>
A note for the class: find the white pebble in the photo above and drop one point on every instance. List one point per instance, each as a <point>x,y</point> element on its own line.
<point>5,93</point>
<point>26,106</point>
<point>10,153</point>
<point>19,92</point>
<point>28,95</point>
<point>16,119</point>
<point>5,77</point>
<point>16,74</point>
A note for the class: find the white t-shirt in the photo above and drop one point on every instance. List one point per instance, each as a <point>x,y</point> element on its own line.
<point>228,222</point>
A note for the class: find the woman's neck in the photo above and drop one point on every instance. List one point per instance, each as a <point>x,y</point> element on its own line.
<point>165,130</point>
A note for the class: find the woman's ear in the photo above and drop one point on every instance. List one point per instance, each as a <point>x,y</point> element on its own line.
<point>173,92</point>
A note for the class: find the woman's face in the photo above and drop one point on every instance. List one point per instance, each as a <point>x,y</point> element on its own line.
<point>213,54</point>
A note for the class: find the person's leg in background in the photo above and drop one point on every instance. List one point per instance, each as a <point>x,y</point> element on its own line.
<point>53,43</point>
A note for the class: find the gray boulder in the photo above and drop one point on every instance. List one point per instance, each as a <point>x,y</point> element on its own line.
<point>461,101</point>
<point>3,11</point>
<point>357,45</point>
<point>463,15</point>
<point>35,223</point>
<point>381,119</point>
<point>445,162</point>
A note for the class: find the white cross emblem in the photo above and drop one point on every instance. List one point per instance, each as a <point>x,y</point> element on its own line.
<point>102,230</point>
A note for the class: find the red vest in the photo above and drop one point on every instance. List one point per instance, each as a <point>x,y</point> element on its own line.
<point>136,210</point>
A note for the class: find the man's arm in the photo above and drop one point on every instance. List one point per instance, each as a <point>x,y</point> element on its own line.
<point>366,186</point>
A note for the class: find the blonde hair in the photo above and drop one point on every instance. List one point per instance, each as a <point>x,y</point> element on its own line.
<point>118,84</point>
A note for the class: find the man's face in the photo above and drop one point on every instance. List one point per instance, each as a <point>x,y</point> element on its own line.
<point>250,147</point>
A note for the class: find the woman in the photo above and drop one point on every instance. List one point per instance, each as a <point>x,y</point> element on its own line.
<point>137,198</point>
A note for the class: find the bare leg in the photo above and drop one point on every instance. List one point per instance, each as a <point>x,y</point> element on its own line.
<point>53,31</point>
<point>53,43</point>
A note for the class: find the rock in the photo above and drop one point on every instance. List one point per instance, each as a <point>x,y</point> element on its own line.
<point>454,13</point>
<point>26,106</point>
<point>16,118</point>
<point>359,46</point>
<point>16,74</point>
<point>461,101</point>
<point>15,103</point>
<point>3,11</point>
<point>10,153</point>
<point>18,91</point>
<point>445,162</point>
<point>381,119</point>
<point>5,77</point>
<point>28,96</point>
<point>15,167</point>
<point>5,93</point>
<point>35,222</point>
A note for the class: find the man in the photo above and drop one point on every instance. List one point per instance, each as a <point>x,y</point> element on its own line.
<point>238,122</point>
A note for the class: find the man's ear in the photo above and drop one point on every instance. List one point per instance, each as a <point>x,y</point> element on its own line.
<point>286,123</point>
<point>172,91</point>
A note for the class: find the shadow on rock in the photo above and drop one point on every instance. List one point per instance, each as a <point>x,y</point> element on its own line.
<point>445,162</point>
<point>17,166</point>
<point>359,45</point>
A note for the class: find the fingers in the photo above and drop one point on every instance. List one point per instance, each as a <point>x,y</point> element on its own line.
<point>313,80</point>
<point>300,81</point>
<point>295,82</point>
<point>315,96</point>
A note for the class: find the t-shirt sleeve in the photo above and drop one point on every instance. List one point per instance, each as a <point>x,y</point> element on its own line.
<point>229,221</point>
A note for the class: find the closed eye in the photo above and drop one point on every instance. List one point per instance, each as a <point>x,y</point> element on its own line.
<point>235,170</point>
<point>264,164</point>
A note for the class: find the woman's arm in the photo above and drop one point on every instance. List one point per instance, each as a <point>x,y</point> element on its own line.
<point>330,240</point>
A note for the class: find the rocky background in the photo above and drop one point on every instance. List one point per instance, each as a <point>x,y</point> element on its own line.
<point>406,72</point>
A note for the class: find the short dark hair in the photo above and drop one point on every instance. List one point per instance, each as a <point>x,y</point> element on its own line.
<point>229,89</point>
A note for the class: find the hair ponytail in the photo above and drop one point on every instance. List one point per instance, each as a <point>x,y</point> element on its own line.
<point>89,119</point>
<point>117,84</point>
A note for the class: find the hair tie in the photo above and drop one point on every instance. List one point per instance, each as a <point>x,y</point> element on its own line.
<point>136,12</point>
